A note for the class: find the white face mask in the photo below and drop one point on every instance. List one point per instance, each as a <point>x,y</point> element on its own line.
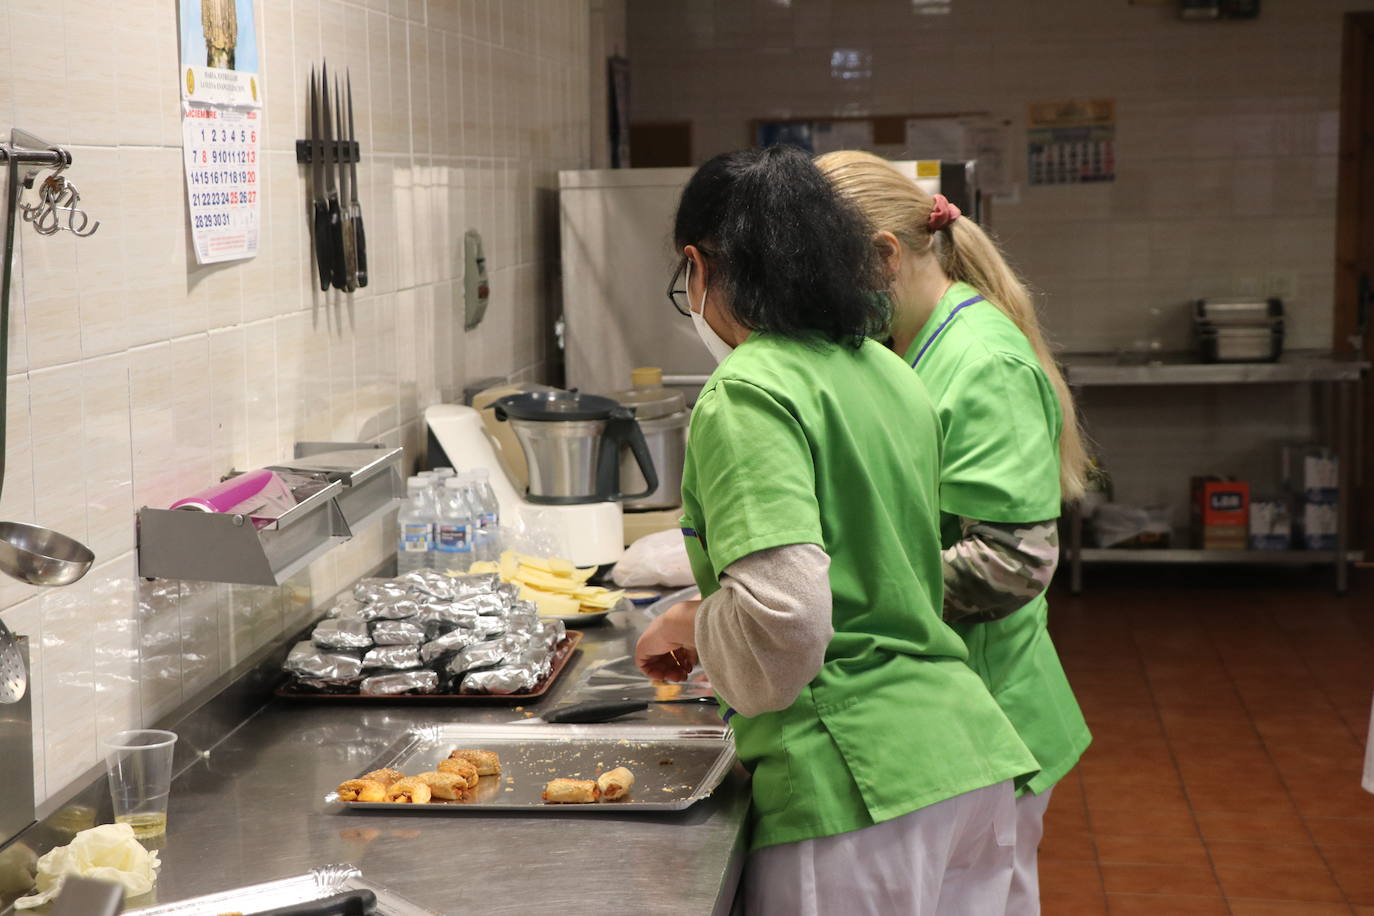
<point>718,348</point>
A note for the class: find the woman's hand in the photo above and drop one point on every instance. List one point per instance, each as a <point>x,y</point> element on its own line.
<point>666,651</point>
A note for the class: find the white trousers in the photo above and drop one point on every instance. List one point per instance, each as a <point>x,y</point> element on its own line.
<point>1024,898</point>
<point>952,858</point>
<point>1368,781</point>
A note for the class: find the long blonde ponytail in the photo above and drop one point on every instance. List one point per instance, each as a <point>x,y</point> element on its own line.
<point>894,203</point>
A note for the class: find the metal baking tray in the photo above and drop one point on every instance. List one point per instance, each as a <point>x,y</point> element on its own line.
<point>562,654</point>
<point>318,884</point>
<point>675,766</point>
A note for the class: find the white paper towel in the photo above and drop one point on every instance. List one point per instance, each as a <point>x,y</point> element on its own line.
<point>108,852</point>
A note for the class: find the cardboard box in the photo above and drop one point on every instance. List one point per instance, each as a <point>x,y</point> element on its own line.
<point>1271,525</point>
<point>1221,514</point>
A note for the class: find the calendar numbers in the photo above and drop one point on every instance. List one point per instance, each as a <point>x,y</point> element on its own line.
<point>221,155</point>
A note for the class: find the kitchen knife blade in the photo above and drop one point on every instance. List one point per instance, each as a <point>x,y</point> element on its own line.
<point>318,204</point>
<point>592,711</point>
<point>331,185</point>
<point>355,209</point>
<point>350,260</point>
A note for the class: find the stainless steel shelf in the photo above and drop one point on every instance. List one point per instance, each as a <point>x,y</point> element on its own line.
<point>364,483</point>
<point>1096,370</point>
<point>1339,377</point>
<point>1224,557</point>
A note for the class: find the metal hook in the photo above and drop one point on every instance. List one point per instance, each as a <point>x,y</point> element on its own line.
<point>43,215</point>
<point>54,195</point>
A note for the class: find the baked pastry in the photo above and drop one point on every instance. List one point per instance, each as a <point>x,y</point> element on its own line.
<point>487,763</point>
<point>361,790</point>
<point>615,783</point>
<point>461,768</point>
<point>408,791</point>
<point>571,791</point>
<point>385,776</point>
<point>449,786</point>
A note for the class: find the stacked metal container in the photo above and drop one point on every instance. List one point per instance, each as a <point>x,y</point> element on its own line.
<point>1238,330</point>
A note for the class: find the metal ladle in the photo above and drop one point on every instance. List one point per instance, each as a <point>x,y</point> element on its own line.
<point>30,553</point>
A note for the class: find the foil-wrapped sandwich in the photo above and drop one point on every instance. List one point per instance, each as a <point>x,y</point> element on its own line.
<point>370,590</point>
<point>397,633</point>
<point>476,657</point>
<point>347,606</point>
<point>307,660</point>
<point>393,609</point>
<point>475,584</point>
<point>439,649</point>
<point>393,657</point>
<point>329,685</point>
<point>403,682</point>
<point>341,633</point>
<point>506,679</point>
<point>429,583</point>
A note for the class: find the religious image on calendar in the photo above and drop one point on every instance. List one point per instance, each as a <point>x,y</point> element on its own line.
<point>219,53</point>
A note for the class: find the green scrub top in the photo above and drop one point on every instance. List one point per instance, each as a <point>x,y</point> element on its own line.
<point>1002,422</point>
<point>792,442</point>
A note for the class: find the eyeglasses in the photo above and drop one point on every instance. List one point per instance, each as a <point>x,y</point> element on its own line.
<point>683,305</point>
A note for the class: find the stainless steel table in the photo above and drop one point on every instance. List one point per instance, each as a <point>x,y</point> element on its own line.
<point>253,811</point>
<point>1341,376</point>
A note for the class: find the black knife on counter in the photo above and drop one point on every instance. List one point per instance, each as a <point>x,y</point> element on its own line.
<point>323,251</point>
<point>601,710</point>
<point>355,209</point>
<point>349,258</point>
<point>331,184</point>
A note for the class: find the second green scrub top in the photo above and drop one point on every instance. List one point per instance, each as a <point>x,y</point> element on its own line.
<point>794,443</point>
<point>1002,423</point>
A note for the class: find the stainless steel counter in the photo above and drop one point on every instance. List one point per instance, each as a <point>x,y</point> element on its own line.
<point>254,811</point>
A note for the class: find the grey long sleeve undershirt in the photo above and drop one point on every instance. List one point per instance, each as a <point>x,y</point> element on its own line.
<point>762,637</point>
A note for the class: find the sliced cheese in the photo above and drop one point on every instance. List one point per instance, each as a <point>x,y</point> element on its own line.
<point>550,604</point>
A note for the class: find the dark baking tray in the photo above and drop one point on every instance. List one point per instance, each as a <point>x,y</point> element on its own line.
<point>562,654</point>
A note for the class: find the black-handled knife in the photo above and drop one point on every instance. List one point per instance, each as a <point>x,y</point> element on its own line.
<point>327,152</point>
<point>355,208</point>
<point>350,259</point>
<point>320,207</point>
<point>347,903</point>
<point>592,711</point>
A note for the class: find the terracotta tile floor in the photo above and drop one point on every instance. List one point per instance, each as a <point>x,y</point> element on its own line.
<point>1224,777</point>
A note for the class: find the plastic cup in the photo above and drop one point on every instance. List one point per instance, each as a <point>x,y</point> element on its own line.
<point>139,764</point>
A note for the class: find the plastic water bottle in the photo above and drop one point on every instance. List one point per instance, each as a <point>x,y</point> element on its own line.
<point>453,544</point>
<point>416,521</point>
<point>488,511</point>
<point>491,506</point>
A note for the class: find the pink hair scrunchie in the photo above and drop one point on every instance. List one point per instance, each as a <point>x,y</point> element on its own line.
<point>942,213</point>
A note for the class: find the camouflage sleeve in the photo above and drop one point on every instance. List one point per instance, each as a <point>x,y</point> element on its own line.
<point>997,568</point>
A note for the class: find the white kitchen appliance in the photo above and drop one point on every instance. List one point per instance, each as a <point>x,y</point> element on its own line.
<point>617,256</point>
<point>587,533</point>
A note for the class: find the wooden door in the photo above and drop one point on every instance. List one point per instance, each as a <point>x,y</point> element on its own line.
<point>1355,250</point>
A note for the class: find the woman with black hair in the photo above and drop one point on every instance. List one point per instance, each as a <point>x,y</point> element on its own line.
<point>882,767</point>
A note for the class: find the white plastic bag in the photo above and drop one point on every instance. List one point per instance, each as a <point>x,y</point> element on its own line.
<point>655,559</point>
<point>1116,524</point>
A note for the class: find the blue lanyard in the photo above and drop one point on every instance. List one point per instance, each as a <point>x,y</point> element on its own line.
<point>957,309</point>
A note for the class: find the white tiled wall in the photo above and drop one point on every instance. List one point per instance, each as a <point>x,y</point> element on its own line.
<point>1226,165</point>
<point>138,376</point>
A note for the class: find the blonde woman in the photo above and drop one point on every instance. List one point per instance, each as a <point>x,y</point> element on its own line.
<point>1012,451</point>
